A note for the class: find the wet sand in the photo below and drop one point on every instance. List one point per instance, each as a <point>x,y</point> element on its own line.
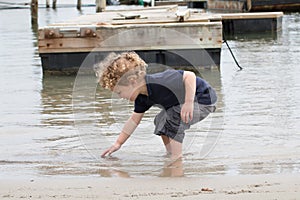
<point>281,186</point>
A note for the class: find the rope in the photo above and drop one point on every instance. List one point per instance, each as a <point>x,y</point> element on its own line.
<point>225,41</point>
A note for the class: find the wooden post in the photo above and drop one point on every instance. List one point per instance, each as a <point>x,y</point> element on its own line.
<point>34,12</point>
<point>100,5</point>
<point>54,4</point>
<point>249,5</point>
<point>78,4</point>
<point>47,3</point>
<point>152,3</point>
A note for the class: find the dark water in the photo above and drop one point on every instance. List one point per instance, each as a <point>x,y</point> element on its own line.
<point>256,124</point>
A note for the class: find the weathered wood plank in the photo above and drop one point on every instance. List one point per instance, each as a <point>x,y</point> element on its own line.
<point>165,3</point>
<point>226,5</point>
<point>275,5</point>
<point>88,32</point>
<point>182,16</point>
<point>151,17</point>
<point>264,15</point>
<point>255,5</point>
<point>136,37</point>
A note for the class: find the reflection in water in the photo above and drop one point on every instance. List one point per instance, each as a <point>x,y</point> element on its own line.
<point>57,101</point>
<point>268,36</point>
<point>113,173</point>
<point>58,106</point>
<point>173,168</point>
<point>105,118</point>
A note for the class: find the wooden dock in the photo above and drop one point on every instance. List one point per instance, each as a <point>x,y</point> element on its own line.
<point>255,5</point>
<point>273,5</point>
<point>163,35</point>
<point>252,23</point>
<point>156,34</point>
<point>189,3</point>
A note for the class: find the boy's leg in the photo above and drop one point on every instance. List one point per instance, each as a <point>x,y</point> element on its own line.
<point>173,147</point>
<point>168,122</point>
<point>176,149</point>
<point>166,141</point>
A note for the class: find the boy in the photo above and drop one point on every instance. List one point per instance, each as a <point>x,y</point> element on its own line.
<point>184,98</point>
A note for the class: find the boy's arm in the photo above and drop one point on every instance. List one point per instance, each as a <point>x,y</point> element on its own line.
<point>127,130</point>
<point>189,79</point>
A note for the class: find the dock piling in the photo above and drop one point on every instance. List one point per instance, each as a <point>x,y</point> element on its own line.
<point>47,3</point>
<point>54,4</point>
<point>34,12</point>
<point>78,4</point>
<point>100,5</point>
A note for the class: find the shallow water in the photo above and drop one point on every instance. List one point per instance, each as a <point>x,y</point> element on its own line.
<point>256,125</point>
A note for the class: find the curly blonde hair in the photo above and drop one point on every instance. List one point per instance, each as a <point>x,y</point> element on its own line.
<point>118,68</point>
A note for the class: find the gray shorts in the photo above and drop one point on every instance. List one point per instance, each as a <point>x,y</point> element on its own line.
<point>169,123</point>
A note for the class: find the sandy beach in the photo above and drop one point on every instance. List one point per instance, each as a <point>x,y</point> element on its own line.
<point>282,186</point>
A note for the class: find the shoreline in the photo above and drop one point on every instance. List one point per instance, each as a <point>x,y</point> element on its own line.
<point>273,186</point>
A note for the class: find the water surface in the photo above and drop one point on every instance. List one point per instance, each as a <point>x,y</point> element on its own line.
<point>257,118</point>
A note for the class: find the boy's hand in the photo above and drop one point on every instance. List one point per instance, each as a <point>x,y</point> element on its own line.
<point>187,112</point>
<point>112,149</point>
